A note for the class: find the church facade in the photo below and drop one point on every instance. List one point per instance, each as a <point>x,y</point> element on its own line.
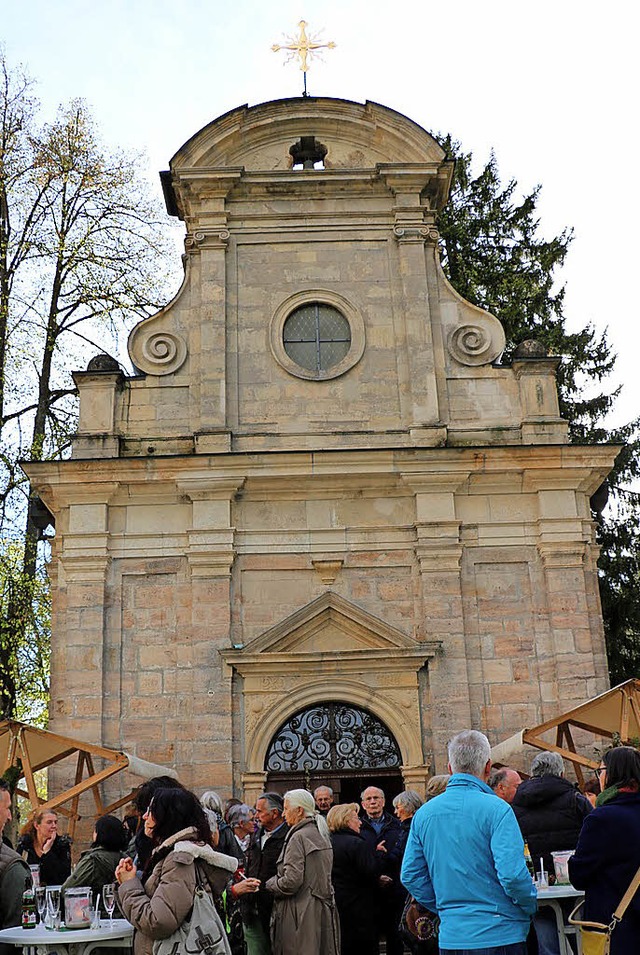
<point>321,528</point>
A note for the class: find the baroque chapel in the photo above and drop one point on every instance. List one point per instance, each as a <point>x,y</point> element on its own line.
<point>321,527</point>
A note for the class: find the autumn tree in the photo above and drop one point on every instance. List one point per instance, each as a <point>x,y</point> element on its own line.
<point>494,254</point>
<point>83,254</point>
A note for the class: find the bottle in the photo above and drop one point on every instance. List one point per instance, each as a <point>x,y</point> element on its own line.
<point>28,909</point>
<point>529,862</point>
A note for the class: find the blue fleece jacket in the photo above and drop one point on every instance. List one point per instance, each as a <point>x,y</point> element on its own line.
<point>465,860</point>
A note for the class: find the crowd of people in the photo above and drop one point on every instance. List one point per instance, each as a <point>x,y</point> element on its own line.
<point>298,875</point>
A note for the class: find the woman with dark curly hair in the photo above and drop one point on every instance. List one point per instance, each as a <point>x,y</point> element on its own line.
<point>159,899</point>
<point>41,845</point>
<point>608,851</point>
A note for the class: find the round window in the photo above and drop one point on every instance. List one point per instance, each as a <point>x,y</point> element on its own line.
<point>316,336</point>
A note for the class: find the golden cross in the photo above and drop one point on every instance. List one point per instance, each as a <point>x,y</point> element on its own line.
<point>303,46</point>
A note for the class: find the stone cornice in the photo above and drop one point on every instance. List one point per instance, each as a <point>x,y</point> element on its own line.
<point>350,661</point>
<point>541,466</point>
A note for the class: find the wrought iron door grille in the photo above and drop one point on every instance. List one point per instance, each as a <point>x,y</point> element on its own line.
<point>332,737</point>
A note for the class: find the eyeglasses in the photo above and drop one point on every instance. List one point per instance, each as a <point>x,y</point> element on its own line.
<point>601,769</point>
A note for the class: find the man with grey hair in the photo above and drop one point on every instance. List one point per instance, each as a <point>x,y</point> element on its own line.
<point>382,832</point>
<point>550,812</point>
<point>264,850</point>
<point>465,859</point>
<point>323,796</point>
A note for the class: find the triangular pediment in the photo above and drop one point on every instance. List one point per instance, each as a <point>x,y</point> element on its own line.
<point>330,624</point>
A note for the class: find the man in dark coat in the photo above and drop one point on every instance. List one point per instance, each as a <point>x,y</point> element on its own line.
<point>382,832</point>
<point>14,875</point>
<point>262,856</point>
<point>550,812</point>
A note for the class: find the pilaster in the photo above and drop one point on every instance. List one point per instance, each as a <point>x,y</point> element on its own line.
<point>439,553</point>
<point>416,777</point>
<point>413,223</point>
<point>253,785</point>
<point>210,550</point>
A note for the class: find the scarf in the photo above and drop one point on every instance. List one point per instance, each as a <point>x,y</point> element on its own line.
<point>611,792</point>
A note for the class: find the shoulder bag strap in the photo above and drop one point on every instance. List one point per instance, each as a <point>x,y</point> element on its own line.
<point>627,897</point>
<point>201,879</point>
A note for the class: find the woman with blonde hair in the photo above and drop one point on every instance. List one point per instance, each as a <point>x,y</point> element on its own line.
<point>304,915</point>
<point>41,845</point>
<point>355,877</point>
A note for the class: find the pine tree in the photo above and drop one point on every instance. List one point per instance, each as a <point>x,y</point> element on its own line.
<point>494,255</point>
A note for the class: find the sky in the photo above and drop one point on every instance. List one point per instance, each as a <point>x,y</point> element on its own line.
<point>551,86</point>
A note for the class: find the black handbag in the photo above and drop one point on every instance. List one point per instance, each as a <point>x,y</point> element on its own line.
<point>419,927</point>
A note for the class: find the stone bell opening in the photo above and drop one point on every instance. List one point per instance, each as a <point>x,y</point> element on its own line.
<point>338,745</point>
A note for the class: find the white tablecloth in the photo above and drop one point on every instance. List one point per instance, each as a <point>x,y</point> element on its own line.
<point>72,941</point>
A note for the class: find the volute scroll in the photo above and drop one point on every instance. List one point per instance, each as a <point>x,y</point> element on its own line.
<point>157,352</point>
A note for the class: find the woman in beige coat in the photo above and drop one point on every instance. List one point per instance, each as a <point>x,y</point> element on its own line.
<point>158,900</point>
<point>304,919</point>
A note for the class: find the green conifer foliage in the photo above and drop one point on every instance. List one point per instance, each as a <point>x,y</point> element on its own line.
<point>493,253</point>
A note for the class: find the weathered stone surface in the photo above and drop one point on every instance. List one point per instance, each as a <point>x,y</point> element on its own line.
<point>238,540</point>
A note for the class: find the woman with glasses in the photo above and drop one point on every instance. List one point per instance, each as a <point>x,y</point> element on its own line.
<point>159,898</point>
<point>608,852</point>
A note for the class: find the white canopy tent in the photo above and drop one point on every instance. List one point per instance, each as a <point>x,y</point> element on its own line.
<point>614,715</point>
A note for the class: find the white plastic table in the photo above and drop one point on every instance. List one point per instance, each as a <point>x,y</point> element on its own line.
<point>551,896</point>
<point>82,941</point>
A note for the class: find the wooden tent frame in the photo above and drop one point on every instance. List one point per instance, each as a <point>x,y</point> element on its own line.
<point>614,714</point>
<point>24,739</point>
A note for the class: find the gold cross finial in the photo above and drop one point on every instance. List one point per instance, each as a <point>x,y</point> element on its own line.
<point>303,46</point>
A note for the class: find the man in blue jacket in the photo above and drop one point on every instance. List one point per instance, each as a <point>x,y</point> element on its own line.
<point>465,859</point>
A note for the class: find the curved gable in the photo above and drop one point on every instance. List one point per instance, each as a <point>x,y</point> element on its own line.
<point>356,135</point>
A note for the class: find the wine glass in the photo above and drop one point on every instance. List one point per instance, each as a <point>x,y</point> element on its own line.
<point>109,899</point>
<point>53,905</point>
<point>41,900</point>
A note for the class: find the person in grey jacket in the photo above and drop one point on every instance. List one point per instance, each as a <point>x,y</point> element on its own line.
<point>159,900</point>
<point>14,874</point>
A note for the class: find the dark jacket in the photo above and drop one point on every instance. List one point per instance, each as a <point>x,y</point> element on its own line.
<point>55,865</point>
<point>390,834</point>
<point>606,859</point>
<point>261,863</point>
<point>355,877</point>
<point>227,842</point>
<point>389,862</point>
<point>550,813</point>
<point>14,878</point>
<point>96,869</point>
<point>401,844</point>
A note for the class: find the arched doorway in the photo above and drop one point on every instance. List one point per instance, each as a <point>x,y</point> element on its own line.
<point>334,744</point>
